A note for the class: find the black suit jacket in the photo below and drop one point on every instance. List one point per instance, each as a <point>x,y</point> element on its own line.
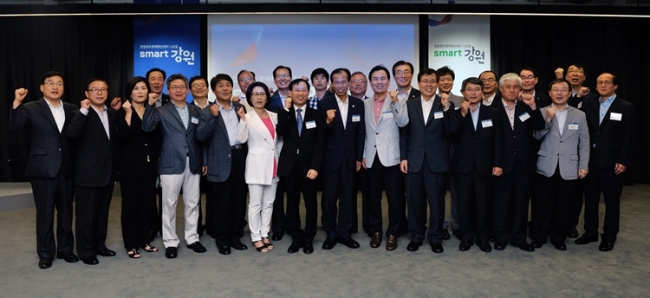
<point>51,151</point>
<point>432,139</point>
<point>137,149</point>
<point>542,100</point>
<point>575,101</point>
<point>343,146</point>
<point>309,144</point>
<point>612,139</point>
<point>96,161</point>
<point>519,140</point>
<point>414,93</point>
<point>481,147</point>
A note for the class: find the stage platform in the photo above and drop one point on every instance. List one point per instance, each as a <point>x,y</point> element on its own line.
<point>15,195</point>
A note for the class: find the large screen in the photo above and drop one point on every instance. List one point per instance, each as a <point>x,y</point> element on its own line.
<point>259,43</point>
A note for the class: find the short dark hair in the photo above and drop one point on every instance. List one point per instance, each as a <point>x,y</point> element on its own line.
<point>319,71</point>
<point>402,62</point>
<point>195,78</point>
<point>220,77</point>
<point>296,82</point>
<point>577,65</point>
<point>130,84</point>
<point>472,80</point>
<point>243,71</point>
<point>528,69</point>
<point>50,74</point>
<point>378,68</point>
<point>559,81</point>
<point>426,72</point>
<point>250,91</point>
<point>340,70</point>
<point>158,70</point>
<point>95,80</point>
<point>176,76</point>
<point>445,70</point>
<point>489,71</point>
<point>281,67</point>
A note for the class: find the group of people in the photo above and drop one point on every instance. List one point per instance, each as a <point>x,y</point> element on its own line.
<point>494,147</point>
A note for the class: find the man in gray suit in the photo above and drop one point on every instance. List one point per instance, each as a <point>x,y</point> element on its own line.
<point>563,158</point>
<point>180,162</point>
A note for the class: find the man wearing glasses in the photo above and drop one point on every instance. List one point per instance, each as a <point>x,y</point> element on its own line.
<point>403,73</point>
<point>244,79</point>
<point>528,82</point>
<point>490,84</point>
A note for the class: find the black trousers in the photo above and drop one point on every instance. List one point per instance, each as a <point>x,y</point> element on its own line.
<point>390,178</point>
<point>337,188</point>
<point>138,197</point>
<point>425,187</point>
<point>52,194</point>
<point>296,183</point>
<point>576,204</point>
<point>209,210</point>
<point>553,197</point>
<point>91,209</point>
<point>361,185</point>
<point>512,193</point>
<point>229,198</point>
<point>473,193</point>
<point>611,185</point>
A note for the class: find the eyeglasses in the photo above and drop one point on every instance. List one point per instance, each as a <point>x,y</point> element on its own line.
<point>246,80</point>
<point>473,90</point>
<point>606,83</point>
<point>428,82</point>
<point>258,94</point>
<point>529,77</point>
<point>283,76</point>
<point>98,90</point>
<point>403,72</point>
<point>491,80</point>
<point>354,82</point>
<point>379,79</point>
<point>201,85</point>
<point>177,87</point>
<point>52,84</point>
<point>578,71</point>
<point>559,90</point>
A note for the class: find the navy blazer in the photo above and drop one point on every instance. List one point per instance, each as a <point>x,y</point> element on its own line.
<point>275,104</point>
<point>481,147</point>
<point>177,142</point>
<point>610,141</point>
<point>308,147</point>
<point>520,142</point>
<point>343,146</point>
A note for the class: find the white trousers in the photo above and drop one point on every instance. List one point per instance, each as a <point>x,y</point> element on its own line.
<point>171,188</point>
<point>260,209</point>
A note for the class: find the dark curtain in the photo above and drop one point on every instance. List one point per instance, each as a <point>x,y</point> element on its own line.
<point>616,45</point>
<point>81,48</point>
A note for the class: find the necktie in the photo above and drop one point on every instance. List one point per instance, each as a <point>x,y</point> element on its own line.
<point>299,121</point>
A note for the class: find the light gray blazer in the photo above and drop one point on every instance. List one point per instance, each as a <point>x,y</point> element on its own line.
<point>383,138</point>
<point>570,150</point>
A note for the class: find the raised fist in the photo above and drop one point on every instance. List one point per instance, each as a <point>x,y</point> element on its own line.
<point>550,113</point>
<point>85,104</point>
<point>116,103</point>
<point>241,112</point>
<point>330,115</point>
<point>127,107</point>
<point>583,92</point>
<point>214,110</point>
<point>464,107</point>
<point>287,102</point>
<point>559,73</point>
<point>20,94</point>
<point>153,97</point>
<point>393,96</point>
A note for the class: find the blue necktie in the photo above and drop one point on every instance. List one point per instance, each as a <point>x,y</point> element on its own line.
<point>299,121</point>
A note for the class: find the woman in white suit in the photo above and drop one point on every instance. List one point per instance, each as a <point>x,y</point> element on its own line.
<point>258,129</point>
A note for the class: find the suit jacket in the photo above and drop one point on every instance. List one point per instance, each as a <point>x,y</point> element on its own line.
<point>51,151</point>
<point>611,140</point>
<point>275,104</point>
<point>164,99</point>
<point>432,140</point>
<point>576,101</point>
<point>414,93</point>
<point>542,100</point>
<point>519,140</point>
<point>137,149</point>
<point>343,146</point>
<point>569,151</point>
<point>457,100</point>
<point>177,142</point>
<point>383,138</point>
<point>481,147</point>
<point>307,148</point>
<point>263,148</point>
<point>212,130</point>
<point>96,160</point>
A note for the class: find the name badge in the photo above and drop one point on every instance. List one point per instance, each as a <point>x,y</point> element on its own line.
<point>310,124</point>
<point>438,115</point>
<point>387,115</point>
<point>195,120</point>
<point>523,117</point>
<point>486,123</point>
<point>615,116</point>
<point>356,118</point>
<point>573,126</point>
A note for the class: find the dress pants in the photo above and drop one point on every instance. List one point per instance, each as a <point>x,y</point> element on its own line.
<point>296,183</point>
<point>279,219</point>
<point>512,193</point>
<point>138,194</point>
<point>425,187</point>
<point>91,210</point>
<point>576,204</point>
<point>472,205</point>
<point>52,194</point>
<point>260,209</point>
<point>171,185</point>
<point>361,185</point>
<point>337,187</point>
<point>207,223</point>
<point>611,185</point>
<point>453,192</point>
<point>552,207</point>
<point>229,197</point>
<point>390,178</point>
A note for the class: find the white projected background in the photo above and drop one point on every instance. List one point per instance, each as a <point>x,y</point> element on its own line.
<point>460,42</point>
<point>261,42</point>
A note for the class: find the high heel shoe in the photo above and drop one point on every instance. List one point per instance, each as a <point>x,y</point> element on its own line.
<point>133,253</point>
<point>268,243</point>
<point>262,248</point>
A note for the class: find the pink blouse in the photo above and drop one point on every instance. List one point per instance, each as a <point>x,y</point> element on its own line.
<point>269,125</point>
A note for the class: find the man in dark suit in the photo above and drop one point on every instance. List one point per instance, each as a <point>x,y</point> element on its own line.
<point>490,87</point>
<point>50,166</point>
<point>226,161</point>
<point>94,131</point>
<point>156,78</point>
<point>344,138</point>
<point>529,80</point>
<point>519,117</point>
<point>477,157</point>
<point>300,161</point>
<point>403,74</point>
<point>424,153</point>
<point>612,122</point>
<point>181,162</point>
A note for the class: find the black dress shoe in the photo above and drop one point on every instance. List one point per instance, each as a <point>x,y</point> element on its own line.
<point>500,245</point>
<point>437,247</point>
<point>465,245</point>
<point>523,246</point>
<point>537,244</point>
<point>484,246</point>
<point>413,246</point>
<point>171,252</point>
<point>329,243</point>
<point>349,242</point>
<point>106,253</point>
<point>586,239</point>
<point>294,247</point>
<point>573,233</point>
<point>90,261</point>
<point>445,234</point>
<point>69,258</point>
<point>197,247</point>
<point>606,246</point>
<point>308,248</point>
<point>224,249</point>
<point>238,245</point>
<point>277,236</point>
<point>559,245</point>
<point>45,263</point>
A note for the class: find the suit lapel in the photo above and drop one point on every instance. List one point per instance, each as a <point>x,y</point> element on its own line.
<point>93,117</point>
<point>45,109</point>
<point>434,108</point>
<point>612,107</point>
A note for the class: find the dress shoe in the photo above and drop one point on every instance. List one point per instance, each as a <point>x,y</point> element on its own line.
<point>198,247</point>
<point>277,236</point>
<point>329,243</point>
<point>413,246</point>
<point>559,245</point>
<point>465,245</point>
<point>349,242</point>
<point>90,261</point>
<point>537,244</point>
<point>586,239</point>
<point>523,246</point>
<point>437,247</point>
<point>106,253</point>
<point>500,245</point>
<point>294,247</point>
<point>391,243</point>
<point>224,249</point>
<point>45,263</point>
<point>606,246</point>
<point>484,246</point>
<point>375,241</point>
<point>445,234</point>
<point>171,252</point>
<point>238,245</point>
<point>573,233</point>
<point>308,248</point>
<point>69,258</point>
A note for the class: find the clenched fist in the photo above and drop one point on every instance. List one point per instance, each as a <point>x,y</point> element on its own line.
<point>214,110</point>
<point>85,104</point>
<point>559,73</point>
<point>393,96</point>
<point>127,107</point>
<point>20,95</point>
<point>153,97</point>
<point>550,113</point>
<point>464,107</point>
<point>242,113</point>
<point>330,115</point>
<point>116,103</point>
